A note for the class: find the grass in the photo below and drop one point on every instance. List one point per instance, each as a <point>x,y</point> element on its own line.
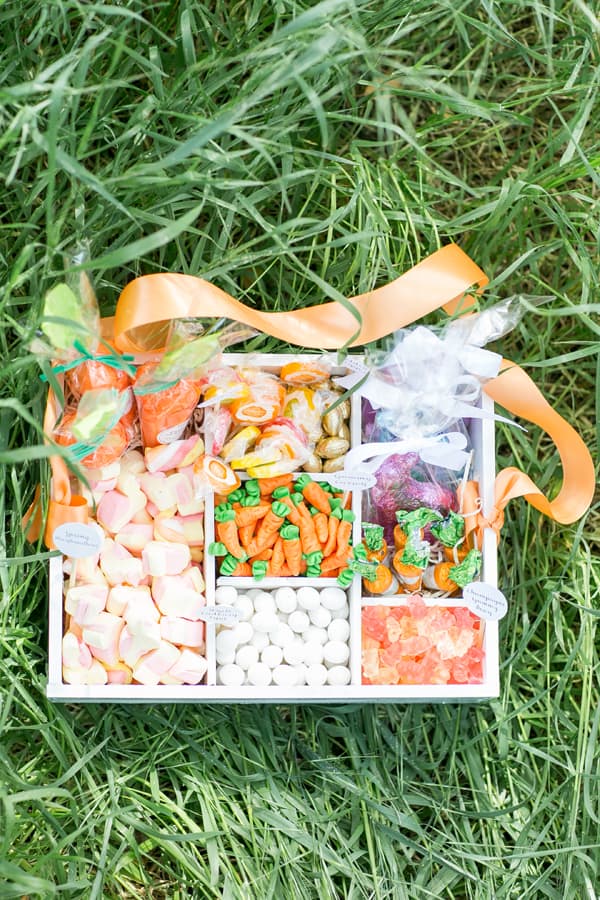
<point>287,151</point>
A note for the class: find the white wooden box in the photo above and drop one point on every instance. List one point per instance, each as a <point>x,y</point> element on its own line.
<point>483,471</point>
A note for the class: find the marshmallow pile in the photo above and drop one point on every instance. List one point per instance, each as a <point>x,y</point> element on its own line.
<point>134,610</point>
<point>284,637</point>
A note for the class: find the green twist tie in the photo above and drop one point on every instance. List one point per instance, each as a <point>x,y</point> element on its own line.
<point>417,518</point>
<point>468,570</point>
<point>229,565</point>
<point>280,492</point>
<point>373,535</point>
<point>279,509</point>
<point>289,532</point>
<point>259,569</point>
<point>224,515</point>
<point>217,548</point>
<point>450,531</point>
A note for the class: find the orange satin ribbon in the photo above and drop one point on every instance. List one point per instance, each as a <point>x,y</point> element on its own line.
<point>148,304</point>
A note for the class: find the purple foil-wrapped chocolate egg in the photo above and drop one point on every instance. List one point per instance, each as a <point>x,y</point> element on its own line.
<point>405,482</point>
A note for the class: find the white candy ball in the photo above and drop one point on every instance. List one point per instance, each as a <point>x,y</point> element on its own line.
<point>243,632</point>
<point>254,592</point>
<point>285,599</point>
<point>338,675</point>
<point>231,675</point>
<point>320,617</point>
<point>272,656</point>
<point>285,676</point>
<point>282,635</point>
<point>343,612</point>
<point>298,621</point>
<point>338,630</point>
<point>245,606</point>
<point>316,675</point>
<point>294,653</point>
<point>308,598</point>
<point>316,635</point>
<point>260,640</point>
<point>313,653</point>
<point>226,594</point>
<point>226,641</point>
<point>264,621</point>
<point>224,657</point>
<point>259,675</point>
<point>333,598</point>
<point>246,656</point>
<point>300,671</point>
<point>265,603</point>
<point>335,653</point>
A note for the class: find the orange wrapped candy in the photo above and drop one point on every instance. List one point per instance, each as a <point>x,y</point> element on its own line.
<point>111,449</point>
<point>164,414</point>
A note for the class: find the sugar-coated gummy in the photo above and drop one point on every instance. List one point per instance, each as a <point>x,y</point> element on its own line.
<point>338,630</point>
<point>272,655</point>
<point>335,653</point>
<point>259,674</point>
<point>338,676</point>
<point>316,675</point>
<point>286,599</point>
<point>231,675</point>
<point>285,676</point>
<point>333,598</point>
<point>298,621</point>
<point>308,598</point>
<point>320,617</point>
<point>226,594</point>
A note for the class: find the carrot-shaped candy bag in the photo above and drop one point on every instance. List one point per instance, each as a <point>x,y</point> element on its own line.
<point>167,392</point>
<point>94,431</point>
<point>292,548</point>
<point>227,533</point>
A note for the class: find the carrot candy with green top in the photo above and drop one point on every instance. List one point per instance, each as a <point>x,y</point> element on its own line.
<point>277,560</point>
<point>249,515</point>
<point>271,523</point>
<point>322,527</point>
<point>313,493</point>
<point>344,532</point>
<point>332,527</point>
<point>268,485</point>
<point>292,547</point>
<point>227,533</point>
<point>308,535</point>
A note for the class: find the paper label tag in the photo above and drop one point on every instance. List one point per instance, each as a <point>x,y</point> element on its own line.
<point>168,435</point>
<point>352,481</point>
<point>358,371</point>
<point>485,601</point>
<point>356,364</point>
<point>220,615</point>
<point>77,540</point>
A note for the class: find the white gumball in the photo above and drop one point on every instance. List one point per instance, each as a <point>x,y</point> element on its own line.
<point>298,621</point>
<point>338,630</point>
<point>285,599</point>
<point>226,594</point>
<point>320,617</point>
<point>316,675</point>
<point>308,598</point>
<point>231,675</point>
<point>333,598</point>
<point>335,653</point>
<point>272,656</point>
<point>338,676</point>
<point>259,674</point>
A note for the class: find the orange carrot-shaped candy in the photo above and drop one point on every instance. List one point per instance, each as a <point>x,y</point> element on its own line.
<point>313,493</point>
<point>263,555</point>
<point>246,533</point>
<point>344,532</point>
<point>227,532</point>
<point>331,544</point>
<point>333,562</point>
<point>292,547</point>
<point>249,515</point>
<point>271,523</point>
<point>308,535</point>
<point>268,485</point>
<point>277,560</point>
<point>243,569</point>
<point>322,527</point>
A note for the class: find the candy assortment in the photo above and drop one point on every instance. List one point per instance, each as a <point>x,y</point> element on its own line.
<point>220,575</point>
<point>287,637</point>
